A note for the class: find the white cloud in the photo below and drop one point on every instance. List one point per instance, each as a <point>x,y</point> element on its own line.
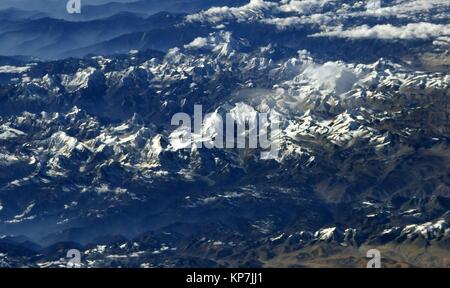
<point>257,10</point>
<point>442,41</point>
<point>332,76</point>
<point>288,13</point>
<point>253,10</point>
<point>197,43</point>
<point>284,22</point>
<point>407,7</point>
<point>373,4</point>
<point>421,30</point>
<point>301,6</point>
<point>319,19</point>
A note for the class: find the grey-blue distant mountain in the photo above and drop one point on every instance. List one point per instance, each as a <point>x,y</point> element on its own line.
<point>47,31</point>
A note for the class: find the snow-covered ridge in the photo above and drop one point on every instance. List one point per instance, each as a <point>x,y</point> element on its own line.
<point>429,230</point>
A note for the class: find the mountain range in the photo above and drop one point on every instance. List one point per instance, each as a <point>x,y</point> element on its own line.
<point>88,162</point>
